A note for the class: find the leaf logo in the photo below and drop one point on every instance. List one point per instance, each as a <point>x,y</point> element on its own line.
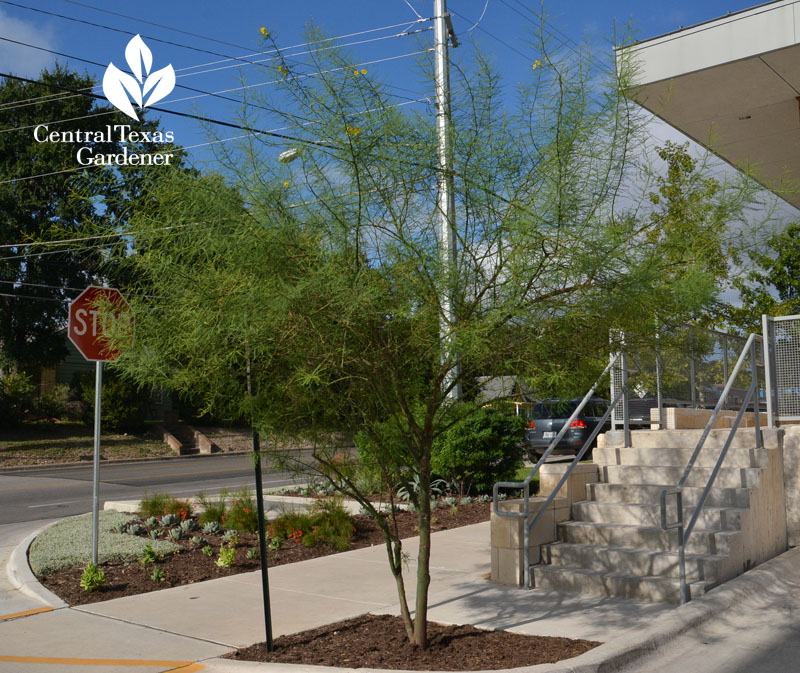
<point>120,88</point>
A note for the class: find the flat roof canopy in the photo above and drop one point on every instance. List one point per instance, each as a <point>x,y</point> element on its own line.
<point>732,85</point>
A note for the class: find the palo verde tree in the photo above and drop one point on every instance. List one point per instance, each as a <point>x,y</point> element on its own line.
<point>306,297</point>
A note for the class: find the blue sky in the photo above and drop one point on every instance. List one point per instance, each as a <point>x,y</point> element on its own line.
<point>215,31</point>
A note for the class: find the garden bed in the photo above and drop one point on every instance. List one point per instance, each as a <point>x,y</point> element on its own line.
<point>190,563</point>
<point>379,641</point>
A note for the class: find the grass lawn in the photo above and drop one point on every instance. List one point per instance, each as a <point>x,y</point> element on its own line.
<point>41,443</point>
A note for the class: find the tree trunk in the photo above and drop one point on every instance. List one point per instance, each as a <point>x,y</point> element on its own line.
<point>424,557</point>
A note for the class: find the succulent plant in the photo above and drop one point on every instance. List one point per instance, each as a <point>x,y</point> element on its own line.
<point>168,520</point>
<point>197,540</point>
<point>175,533</point>
<point>208,550</point>
<point>434,504</point>
<point>231,538</point>
<point>252,553</point>
<point>466,500</point>
<point>121,528</point>
<point>136,529</point>
<point>449,501</point>
<point>189,525</point>
<point>485,498</point>
<point>212,528</point>
<point>155,534</point>
<point>151,521</point>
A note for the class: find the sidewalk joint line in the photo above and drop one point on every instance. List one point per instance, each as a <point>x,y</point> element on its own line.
<point>80,608</point>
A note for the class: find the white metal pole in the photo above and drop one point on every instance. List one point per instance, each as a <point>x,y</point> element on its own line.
<point>98,387</point>
<point>446,205</point>
<point>768,373</point>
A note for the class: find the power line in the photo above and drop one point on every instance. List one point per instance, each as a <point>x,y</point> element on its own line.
<point>24,296</point>
<point>152,23</point>
<point>277,51</point>
<point>281,136</point>
<point>201,92</point>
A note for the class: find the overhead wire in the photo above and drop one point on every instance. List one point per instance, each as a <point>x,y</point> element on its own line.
<point>217,94</point>
<point>277,51</point>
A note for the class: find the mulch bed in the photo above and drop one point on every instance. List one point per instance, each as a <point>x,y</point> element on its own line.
<point>191,565</point>
<point>379,641</point>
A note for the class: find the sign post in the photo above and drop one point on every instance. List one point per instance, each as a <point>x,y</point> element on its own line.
<point>87,331</point>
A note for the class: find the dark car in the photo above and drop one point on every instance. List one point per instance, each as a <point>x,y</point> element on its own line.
<point>548,417</point>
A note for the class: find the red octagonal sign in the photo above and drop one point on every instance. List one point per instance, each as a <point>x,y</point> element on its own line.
<point>85,327</point>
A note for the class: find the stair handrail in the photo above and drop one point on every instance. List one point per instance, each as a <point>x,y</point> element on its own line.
<point>526,483</point>
<point>684,532</point>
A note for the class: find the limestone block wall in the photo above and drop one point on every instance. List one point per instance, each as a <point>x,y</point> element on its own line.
<point>508,534</point>
<point>764,529</point>
<point>791,480</point>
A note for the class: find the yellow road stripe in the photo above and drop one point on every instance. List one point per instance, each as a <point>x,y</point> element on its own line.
<point>65,661</point>
<point>24,613</point>
<point>191,668</point>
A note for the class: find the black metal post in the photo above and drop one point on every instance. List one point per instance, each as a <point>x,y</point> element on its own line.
<point>262,542</point>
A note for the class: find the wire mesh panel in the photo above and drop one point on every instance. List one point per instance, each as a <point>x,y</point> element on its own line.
<point>786,345</point>
<point>682,366</point>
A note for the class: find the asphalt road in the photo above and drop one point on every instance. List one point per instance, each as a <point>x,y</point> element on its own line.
<point>54,492</point>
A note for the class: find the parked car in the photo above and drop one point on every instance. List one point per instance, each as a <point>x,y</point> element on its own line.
<point>548,417</point>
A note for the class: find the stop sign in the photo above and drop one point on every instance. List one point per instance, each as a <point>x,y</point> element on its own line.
<point>85,327</point>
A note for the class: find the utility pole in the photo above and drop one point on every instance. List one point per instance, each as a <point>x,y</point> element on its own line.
<point>446,203</point>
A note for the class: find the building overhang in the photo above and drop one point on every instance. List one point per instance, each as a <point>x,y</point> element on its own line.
<point>732,85</point>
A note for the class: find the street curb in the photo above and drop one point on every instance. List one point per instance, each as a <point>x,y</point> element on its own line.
<point>120,461</point>
<point>766,582</point>
<point>21,576</point>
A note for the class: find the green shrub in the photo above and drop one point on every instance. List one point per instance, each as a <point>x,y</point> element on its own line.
<point>16,397</point>
<point>241,513</point>
<point>159,504</point>
<point>213,508</point>
<point>157,575</point>
<point>123,406</point>
<point>92,577</point>
<point>55,404</point>
<point>484,448</point>
<point>226,557</point>
<point>327,523</point>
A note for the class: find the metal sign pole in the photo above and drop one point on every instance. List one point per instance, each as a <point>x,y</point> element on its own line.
<point>262,541</point>
<point>98,388</point>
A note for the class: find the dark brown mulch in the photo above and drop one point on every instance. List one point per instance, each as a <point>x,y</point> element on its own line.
<point>191,565</point>
<point>379,641</point>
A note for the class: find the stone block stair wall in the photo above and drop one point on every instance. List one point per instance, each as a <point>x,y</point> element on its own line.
<point>615,546</point>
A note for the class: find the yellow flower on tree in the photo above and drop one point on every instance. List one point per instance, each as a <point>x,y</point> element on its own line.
<point>264,31</point>
<point>352,131</point>
<point>285,184</point>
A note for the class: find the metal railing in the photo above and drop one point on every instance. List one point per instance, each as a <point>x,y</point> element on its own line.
<point>525,485</point>
<point>752,395</point>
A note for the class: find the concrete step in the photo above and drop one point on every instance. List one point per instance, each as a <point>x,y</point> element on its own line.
<point>728,477</point>
<point>651,493</point>
<point>687,439</point>
<point>711,518</point>
<point>618,585</point>
<point>704,567</point>
<point>670,456</point>
<point>645,537</point>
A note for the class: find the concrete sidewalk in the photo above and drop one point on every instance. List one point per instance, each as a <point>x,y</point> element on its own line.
<point>186,628</point>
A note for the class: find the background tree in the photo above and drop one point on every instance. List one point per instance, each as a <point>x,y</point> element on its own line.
<point>772,286</point>
<point>58,203</point>
<point>306,297</point>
